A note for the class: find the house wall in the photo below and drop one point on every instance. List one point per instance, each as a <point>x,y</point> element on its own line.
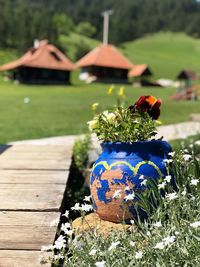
<point>41,76</point>
<point>107,74</point>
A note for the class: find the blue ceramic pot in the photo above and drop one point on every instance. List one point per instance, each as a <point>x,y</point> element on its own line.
<point>119,169</point>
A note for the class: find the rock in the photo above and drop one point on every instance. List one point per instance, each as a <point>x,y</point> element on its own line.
<point>92,221</point>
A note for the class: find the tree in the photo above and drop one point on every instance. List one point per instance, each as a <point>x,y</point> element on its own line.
<point>86,29</point>
<point>63,23</point>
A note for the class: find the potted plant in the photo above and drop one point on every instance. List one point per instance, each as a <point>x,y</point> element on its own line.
<point>130,157</point>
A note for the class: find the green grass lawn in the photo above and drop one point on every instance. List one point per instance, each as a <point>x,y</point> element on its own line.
<point>166,53</point>
<point>64,110</point>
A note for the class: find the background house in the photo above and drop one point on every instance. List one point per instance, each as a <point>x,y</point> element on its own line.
<point>141,74</point>
<point>42,64</point>
<point>104,64</point>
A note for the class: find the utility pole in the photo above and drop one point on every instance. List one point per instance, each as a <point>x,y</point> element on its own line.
<point>106,15</point>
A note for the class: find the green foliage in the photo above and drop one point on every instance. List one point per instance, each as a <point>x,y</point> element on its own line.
<point>35,19</point>
<point>121,125</point>
<point>63,110</point>
<point>80,152</point>
<point>76,45</point>
<point>169,237</point>
<point>63,23</point>
<point>165,52</point>
<point>86,29</point>
<point>81,49</point>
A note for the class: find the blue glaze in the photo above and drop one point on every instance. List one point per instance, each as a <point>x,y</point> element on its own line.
<point>133,160</point>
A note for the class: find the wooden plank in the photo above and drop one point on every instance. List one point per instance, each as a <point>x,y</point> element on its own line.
<point>33,176</point>
<point>65,148</point>
<point>36,157</point>
<point>36,154</point>
<point>29,164</point>
<point>31,196</point>
<point>26,230</point>
<point>20,258</point>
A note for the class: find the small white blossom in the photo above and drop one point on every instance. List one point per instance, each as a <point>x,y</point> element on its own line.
<point>65,227</point>
<point>168,178</point>
<point>132,244</point>
<point>132,222</point>
<point>87,198</point>
<point>69,232</point>
<point>66,214</point>
<point>171,196</point>
<point>92,124</point>
<point>177,233</point>
<point>165,242</point>
<point>187,157</point>
<point>194,181</point>
<point>195,224</point>
<point>129,196</point>
<point>127,188</point>
<point>162,185</point>
<point>86,207</point>
<point>55,222</point>
<point>144,182</point>
<point>93,252</point>
<point>113,245</point>
<point>184,192</point>
<point>117,194</point>
<point>169,240</point>
<point>138,255</point>
<point>100,264</point>
<point>76,207</point>
<point>197,143</point>
<point>109,116</point>
<point>160,245</point>
<point>168,161</point>
<point>60,242</point>
<point>171,154</point>
<point>148,233</point>
<point>58,257</point>
<point>141,177</point>
<point>157,224</point>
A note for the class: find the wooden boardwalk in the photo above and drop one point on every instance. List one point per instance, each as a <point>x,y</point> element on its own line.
<point>32,183</point>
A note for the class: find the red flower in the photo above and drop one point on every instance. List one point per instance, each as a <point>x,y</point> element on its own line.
<point>148,104</point>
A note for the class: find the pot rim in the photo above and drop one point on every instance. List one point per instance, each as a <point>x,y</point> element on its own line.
<point>133,143</point>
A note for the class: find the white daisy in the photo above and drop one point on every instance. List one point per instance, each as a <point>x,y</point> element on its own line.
<point>113,245</point>
<point>117,194</point>
<point>138,255</point>
<point>195,224</point>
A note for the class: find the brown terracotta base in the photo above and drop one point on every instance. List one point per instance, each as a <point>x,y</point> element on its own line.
<point>92,221</point>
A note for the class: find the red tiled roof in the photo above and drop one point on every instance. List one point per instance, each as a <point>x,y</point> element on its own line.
<point>138,70</point>
<point>45,56</point>
<point>105,56</point>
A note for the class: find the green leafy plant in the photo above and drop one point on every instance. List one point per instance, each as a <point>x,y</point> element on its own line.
<point>80,152</point>
<point>126,124</point>
<point>169,237</point>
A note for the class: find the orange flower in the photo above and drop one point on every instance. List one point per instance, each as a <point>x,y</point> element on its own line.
<point>148,104</point>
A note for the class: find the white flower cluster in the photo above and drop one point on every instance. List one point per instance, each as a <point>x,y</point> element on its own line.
<point>83,207</point>
<point>195,224</point>
<point>167,241</point>
<point>171,196</point>
<point>113,245</point>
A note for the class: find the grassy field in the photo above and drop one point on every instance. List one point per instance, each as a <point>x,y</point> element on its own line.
<point>167,53</point>
<point>64,110</point>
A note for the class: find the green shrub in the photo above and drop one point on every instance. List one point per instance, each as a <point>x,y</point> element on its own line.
<point>80,152</point>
